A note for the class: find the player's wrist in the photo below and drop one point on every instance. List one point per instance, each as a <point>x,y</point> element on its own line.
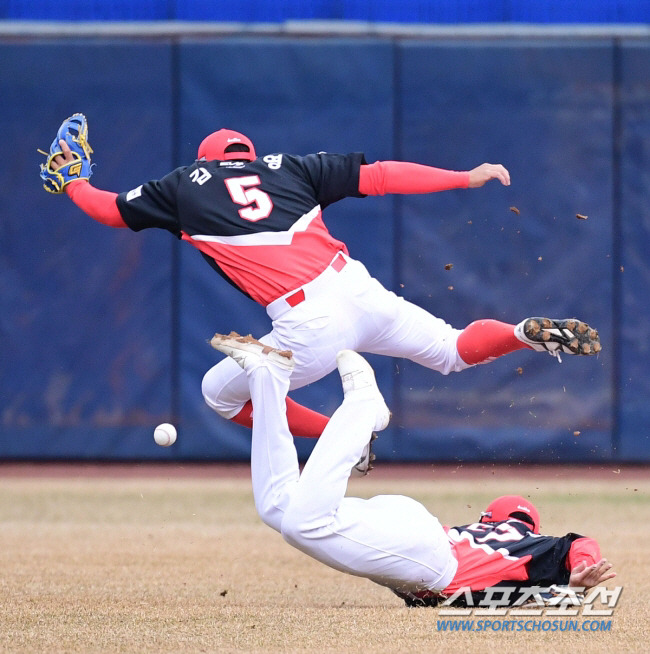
<point>70,187</point>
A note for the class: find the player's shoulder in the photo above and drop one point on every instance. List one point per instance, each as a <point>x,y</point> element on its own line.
<point>324,155</point>
<point>167,184</point>
<point>174,175</point>
<point>280,163</point>
<point>332,163</point>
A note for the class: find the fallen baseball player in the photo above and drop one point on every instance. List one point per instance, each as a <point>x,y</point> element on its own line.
<point>393,540</point>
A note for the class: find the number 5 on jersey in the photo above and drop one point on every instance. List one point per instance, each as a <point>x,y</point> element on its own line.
<point>257,204</point>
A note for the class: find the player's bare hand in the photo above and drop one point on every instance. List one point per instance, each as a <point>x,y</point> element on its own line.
<point>588,576</point>
<point>62,159</point>
<point>487,171</point>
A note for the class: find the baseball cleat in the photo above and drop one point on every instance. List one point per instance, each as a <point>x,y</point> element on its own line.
<point>359,383</point>
<point>569,336</point>
<point>365,463</point>
<point>248,351</point>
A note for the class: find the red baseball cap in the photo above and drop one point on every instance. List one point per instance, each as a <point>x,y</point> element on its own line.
<point>226,145</point>
<point>512,506</point>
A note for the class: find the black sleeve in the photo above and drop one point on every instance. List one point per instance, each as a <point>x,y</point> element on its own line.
<point>334,176</point>
<point>152,204</point>
<point>550,566</point>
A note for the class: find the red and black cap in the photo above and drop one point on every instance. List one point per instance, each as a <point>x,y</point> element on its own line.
<point>512,506</point>
<point>226,145</point>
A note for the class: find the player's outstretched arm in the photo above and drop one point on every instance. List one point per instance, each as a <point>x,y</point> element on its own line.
<point>404,177</point>
<point>99,205</point>
<point>588,576</point>
<point>487,171</point>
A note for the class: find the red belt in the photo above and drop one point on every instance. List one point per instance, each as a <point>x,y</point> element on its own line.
<point>299,296</point>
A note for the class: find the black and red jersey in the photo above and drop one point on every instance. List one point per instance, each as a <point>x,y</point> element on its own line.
<point>508,553</point>
<point>258,223</point>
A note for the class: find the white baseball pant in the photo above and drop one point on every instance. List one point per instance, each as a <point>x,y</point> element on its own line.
<point>390,539</point>
<point>342,309</point>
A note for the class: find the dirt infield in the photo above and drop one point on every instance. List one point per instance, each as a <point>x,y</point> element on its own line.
<point>430,471</point>
<point>173,558</point>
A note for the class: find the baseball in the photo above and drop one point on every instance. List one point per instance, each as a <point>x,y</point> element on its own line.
<point>165,434</point>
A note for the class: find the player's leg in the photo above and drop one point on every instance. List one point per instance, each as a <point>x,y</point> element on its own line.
<point>352,311</point>
<point>392,326</point>
<point>303,422</point>
<point>274,461</point>
<point>410,332</point>
<point>392,540</point>
<point>485,340</point>
<point>225,387</point>
<point>226,391</point>
<point>363,412</point>
<point>315,330</point>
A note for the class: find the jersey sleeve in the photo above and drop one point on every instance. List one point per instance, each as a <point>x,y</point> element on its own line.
<point>99,205</point>
<point>152,204</point>
<point>334,176</point>
<point>384,177</point>
<point>549,563</point>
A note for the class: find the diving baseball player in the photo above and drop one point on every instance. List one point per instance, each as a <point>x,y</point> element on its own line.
<point>390,539</point>
<point>258,221</point>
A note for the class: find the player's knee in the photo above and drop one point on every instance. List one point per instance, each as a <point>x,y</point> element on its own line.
<point>299,525</point>
<point>450,356</point>
<point>211,395</point>
<point>269,514</point>
<point>293,528</point>
<point>217,396</point>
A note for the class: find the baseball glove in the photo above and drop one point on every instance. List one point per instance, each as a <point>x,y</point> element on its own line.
<point>74,131</point>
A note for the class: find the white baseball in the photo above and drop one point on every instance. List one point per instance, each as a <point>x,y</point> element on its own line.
<point>165,434</point>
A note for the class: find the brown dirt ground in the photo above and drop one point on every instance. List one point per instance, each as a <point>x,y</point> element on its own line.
<point>172,558</point>
<point>382,472</point>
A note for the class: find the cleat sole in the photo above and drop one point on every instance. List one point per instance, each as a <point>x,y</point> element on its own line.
<point>568,336</point>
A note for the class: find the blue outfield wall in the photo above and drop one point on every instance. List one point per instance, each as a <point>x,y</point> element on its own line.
<point>105,331</point>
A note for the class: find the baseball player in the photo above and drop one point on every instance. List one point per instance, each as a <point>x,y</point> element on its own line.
<point>258,221</point>
<point>390,539</point>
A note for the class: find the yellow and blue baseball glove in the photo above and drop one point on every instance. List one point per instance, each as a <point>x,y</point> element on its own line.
<point>74,131</point>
